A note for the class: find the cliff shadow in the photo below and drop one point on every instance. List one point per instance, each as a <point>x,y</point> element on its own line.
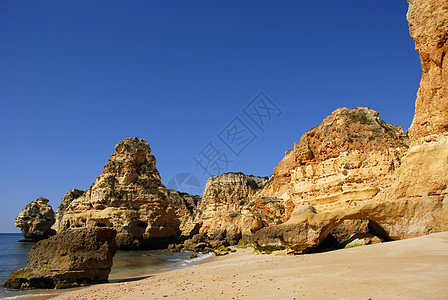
<point>348,230</point>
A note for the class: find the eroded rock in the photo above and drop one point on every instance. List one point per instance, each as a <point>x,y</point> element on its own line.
<point>393,219</point>
<point>224,212</point>
<point>130,197</point>
<point>71,258</point>
<point>423,174</point>
<point>65,202</point>
<point>35,220</point>
<point>428,26</point>
<point>343,162</point>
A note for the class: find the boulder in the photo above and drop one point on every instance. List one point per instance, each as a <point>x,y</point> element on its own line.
<point>428,26</point>
<point>71,258</point>
<point>388,220</point>
<point>35,220</point>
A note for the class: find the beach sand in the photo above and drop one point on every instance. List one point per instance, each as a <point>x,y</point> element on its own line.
<point>409,269</point>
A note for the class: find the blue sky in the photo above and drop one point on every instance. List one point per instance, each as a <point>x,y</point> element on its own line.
<point>78,76</point>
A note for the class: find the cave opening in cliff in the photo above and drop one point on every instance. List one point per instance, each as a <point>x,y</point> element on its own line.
<point>353,232</point>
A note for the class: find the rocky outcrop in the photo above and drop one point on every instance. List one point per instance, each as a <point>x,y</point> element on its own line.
<point>35,220</point>
<point>71,258</point>
<point>393,219</point>
<point>65,202</point>
<point>184,206</point>
<point>412,200</point>
<point>130,197</point>
<point>224,212</point>
<point>423,175</point>
<point>343,162</point>
<point>428,26</point>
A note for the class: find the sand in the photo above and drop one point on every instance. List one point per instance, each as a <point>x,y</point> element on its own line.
<point>409,269</point>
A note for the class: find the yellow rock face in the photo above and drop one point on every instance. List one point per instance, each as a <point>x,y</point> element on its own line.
<point>428,26</point>
<point>130,197</point>
<point>341,163</point>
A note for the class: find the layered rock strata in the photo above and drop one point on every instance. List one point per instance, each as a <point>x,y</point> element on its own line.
<point>65,202</point>
<point>35,220</point>
<point>130,197</point>
<point>184,206</point>
<point>71,258</point>
<point>424,174</point>
<point>343,162</point>
<point>224,212</point>
<point>428,26</point>
<point>415,203</point>
<point>388,220</point>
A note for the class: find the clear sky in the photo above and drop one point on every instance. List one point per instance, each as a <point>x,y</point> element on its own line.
<point>78,76</point>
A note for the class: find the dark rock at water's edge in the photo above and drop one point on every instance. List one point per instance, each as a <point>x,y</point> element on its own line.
<point>35,221</point>
<point>72,258</point>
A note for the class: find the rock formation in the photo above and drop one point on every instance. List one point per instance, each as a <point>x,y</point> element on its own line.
<point>130,197</point>
<point>65,202</point>
<point>388,219</point>
<point>423,174</point>
<point>35,220</point>
<point>414,203</point>
<point>428,26</point>
<point>343,162</point>
<point>224,212</point>
<point>71,258</point>
<point>184,206</point>
<point>352,174</point>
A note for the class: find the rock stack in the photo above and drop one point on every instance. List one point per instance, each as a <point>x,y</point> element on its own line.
<point>35,220</point>
<point>128,196</point>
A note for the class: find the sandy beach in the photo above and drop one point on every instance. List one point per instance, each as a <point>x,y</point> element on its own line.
<point>408,269</point>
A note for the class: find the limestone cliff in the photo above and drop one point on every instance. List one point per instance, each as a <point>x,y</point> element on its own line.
<point>424,174</point>
<point>65,202</point>
<point>416,200</point>
<point>130,197</point>
<point>225,207</point>
<point>343,162</point>
<point>184,209</point>
<point>35,220</point>
<point>428,26</point>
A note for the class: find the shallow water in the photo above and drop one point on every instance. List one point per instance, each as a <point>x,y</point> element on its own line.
<point>127,264</point>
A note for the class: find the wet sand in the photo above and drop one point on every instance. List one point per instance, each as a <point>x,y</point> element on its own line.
<point>409,269</point>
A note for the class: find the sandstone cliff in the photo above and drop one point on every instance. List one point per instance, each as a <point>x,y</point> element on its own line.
<point>35,220</point>
<point>225,210</point>
<point>65,202</point>
<point>184,209</point>
<point>341,163</point>
<point>428,26</point>
<point>130,197</point>
<point>414,200</point>
<point>423,175</point>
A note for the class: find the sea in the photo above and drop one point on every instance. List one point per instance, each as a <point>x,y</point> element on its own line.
<point>128,265</point>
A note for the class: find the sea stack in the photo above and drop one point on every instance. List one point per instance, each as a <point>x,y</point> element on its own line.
<point>35,220</point>
<point>130,197</point>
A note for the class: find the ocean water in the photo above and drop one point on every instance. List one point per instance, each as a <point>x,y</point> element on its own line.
<point>128,265</point>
